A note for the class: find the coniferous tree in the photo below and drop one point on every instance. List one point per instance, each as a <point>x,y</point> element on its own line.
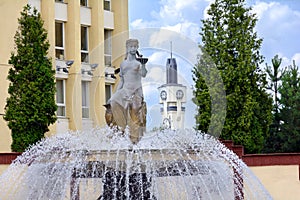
<point>289,110</point>
<point>210,96</point>
<point>30,107</point>
<point>274,142</point>
<point>229,38</point>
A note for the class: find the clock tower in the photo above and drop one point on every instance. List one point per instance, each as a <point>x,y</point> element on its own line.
<point>172,98</point>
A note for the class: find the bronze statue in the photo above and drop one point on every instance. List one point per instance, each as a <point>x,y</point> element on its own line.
<point>127,107</point>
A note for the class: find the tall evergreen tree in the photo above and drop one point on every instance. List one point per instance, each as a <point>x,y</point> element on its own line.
<point>273,142</point>
<point>289,111</point>
<point>229,38</point>
<point>31,106</point>
<point>275,74</point>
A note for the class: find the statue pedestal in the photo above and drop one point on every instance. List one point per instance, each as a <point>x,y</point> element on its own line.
<point>125,173</point>
<point>112,167</point>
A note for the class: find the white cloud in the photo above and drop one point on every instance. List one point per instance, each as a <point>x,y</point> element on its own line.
<point>278,24</point>
<point>260,8</point>
<point>140,24</point>
<point>186,28</point>
<point>156,40</point>
<point>296,57</point>
<point>157,56</point>
<point>137,23</point>
<point>275,12</point>
<point>173,11</point>
<point>205,15</point>
<point>176,15</point>
<point>156,75</point>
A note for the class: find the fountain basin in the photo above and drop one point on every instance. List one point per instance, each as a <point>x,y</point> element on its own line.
<point>181,164</point>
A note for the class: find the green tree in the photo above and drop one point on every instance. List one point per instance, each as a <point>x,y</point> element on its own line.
<point>210,96</point>
<point>289,110</point>
<point>275,74</point>
<point>229,38</point>
<point>31,106</point>
<point>274,142</point>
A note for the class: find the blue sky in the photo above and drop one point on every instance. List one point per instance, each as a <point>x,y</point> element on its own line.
<point>278,22</point>
<point>179,21</point>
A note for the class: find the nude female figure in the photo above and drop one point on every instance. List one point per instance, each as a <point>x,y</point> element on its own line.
<point>127,106</point>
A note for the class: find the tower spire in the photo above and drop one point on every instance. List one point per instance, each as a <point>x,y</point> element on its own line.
<point>171,68</point>
<point>171,48</point>
<point>172,96</point>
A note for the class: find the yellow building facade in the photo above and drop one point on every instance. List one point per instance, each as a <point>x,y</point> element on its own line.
<point>87,40</point>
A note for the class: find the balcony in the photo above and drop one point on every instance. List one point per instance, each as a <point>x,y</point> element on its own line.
<point>61,11</point>
<point>85,16</point>
<point>36,4</point>
<point>108,20</point>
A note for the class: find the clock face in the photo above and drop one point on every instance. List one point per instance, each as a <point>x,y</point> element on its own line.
<point>163,95</point>
<point>166,123</point>
<point>179,94</point>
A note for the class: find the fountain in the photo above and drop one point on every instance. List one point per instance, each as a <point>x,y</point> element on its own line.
<point>182,164</point>
<point>129,163</point>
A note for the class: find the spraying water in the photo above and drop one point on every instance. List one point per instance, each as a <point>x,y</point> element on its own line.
<point>103,164</point>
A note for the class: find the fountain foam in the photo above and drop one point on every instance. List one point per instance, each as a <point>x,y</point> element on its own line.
<point>182,164</point>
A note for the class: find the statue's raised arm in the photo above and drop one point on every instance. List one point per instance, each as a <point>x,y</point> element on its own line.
<point>126,107</point>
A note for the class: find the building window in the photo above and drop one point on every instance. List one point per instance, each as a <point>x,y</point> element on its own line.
<point>108,91</point>
<point>59,1</point>
<point>84,2</point>
<point>85,99</point>
<point>84,44</point>
<point>107,47</point>
<point>59,40</point>
<point>106,5</point>
<point>60,98</point>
